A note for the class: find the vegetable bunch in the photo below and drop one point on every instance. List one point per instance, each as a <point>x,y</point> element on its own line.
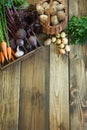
<point>77,30</point>
<point>5,49</point>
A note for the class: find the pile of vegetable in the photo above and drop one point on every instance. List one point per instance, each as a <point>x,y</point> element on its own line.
<point>56,11</point>
<point>77,30</point>
<point>18,29</point>
<point>61,41</point>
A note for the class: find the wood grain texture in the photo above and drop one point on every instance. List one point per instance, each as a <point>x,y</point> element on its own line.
<point>34,92</point>
<point>78,76</point>
<point>9,97</point>
<point>59,91</point>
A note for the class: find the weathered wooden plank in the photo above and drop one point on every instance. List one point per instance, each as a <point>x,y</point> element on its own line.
<point>78,87</point>
<point>59,91</point>
<point>9,97</point>
<point>34,92</point>
<point>78,76</point>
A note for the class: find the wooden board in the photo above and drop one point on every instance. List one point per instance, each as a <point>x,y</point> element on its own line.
<point>9,98</point>
<point>34,92</point>
<point>59,91</point>
<point>78,75</point>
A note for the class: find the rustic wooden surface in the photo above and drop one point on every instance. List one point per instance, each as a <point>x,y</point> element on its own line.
<point>78,75</point>
<point>47,91</point>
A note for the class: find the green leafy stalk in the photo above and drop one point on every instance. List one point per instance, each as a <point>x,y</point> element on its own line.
<point>18,3</point>
<point>4,23</point>
<point>77,30</point>
<point>1,33</point>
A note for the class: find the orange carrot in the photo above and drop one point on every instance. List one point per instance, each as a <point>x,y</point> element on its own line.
<point>9,52</point>
<point>2,57</point>
<point>13,53</point>
<point>12,57</point>
<point>4,48</point>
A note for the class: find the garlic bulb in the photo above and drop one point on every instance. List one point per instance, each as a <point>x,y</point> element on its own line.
<point>19,53</point>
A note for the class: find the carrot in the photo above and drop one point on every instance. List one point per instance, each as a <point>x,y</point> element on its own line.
<point>9,51</point>
<point>2,57</point>
<point>4,48</point>
<point>12,57</point>
<point>13,53</point>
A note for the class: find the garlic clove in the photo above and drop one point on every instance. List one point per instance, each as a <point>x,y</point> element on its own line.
<point>19,53</point>
<point>63,34</point>
<point>53,39</point>
<point>47,42</point>
<point>67,48</point>
<point>64,40</point>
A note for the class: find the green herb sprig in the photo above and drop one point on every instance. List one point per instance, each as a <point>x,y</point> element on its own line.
<point>77,30</point>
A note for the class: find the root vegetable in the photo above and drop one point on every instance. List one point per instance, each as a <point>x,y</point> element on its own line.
<point>2,57</point>
<point>60,7</point>
<point>56,3</point>
<point>45,4</point>
<point>9,52</point>
<point>21,33</point>
<point>12,44</point>
<point>58,35</point>
<point>53,10</point>
<point>65,40</point>
<point>47,42</point>
<point>61,46</point>
<point>46,10</point>
<point>61,15</point>
<point>54,20</point>
<point>63,34</point>
<point>33,41</point>
<point>61,51</point>
<point>43,18</point>
<point>40,9</point>
<point>53,39</point>
<point>20,42</point>
<point>58,41</point>
<point>67,48</point>
<point>4,49</point>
